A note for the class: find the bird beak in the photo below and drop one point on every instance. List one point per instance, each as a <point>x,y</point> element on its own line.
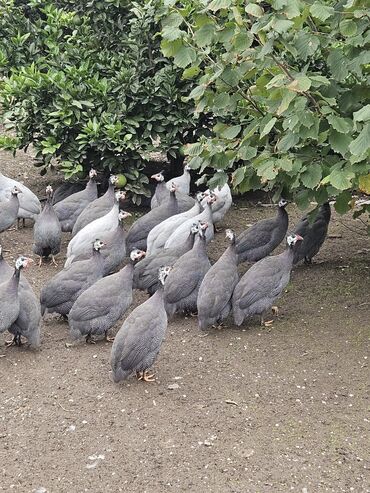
<point>299,237</point>
<point>29,261</point>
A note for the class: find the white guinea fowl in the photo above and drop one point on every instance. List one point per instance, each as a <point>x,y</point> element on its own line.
<point>29,204</point>
<point>81,242</point>
<point>160,233</point>
<point>181,233</point>
<point>182,182</point>
<point>222,204</point>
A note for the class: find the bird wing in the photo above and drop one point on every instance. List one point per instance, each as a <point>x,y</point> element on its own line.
<point>184,278</point>
<point>255,236</point>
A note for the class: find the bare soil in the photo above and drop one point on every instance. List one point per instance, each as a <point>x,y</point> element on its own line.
<point>234,410</point>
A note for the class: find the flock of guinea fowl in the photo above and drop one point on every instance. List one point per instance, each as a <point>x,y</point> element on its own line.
<point>167,257</point>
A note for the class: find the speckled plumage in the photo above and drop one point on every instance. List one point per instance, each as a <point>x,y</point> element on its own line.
<point>98,308</point>
<point>98,208</point>
<point>262,238</point>
<point>47,232</point>
<point>313,234</point>
<point>8,211</point>
<point>71,207</point>
<point>59,294</point>
<point>216,290</point>
<point>183,282</point>
<point>262,285</point>
<point>29,204</point>
<point>182,182</point>
<point>137,343</point>
<point>138,233</point>
<point>146,271</point>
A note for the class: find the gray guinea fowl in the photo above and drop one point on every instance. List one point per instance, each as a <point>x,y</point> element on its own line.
<point>28,322</point>
<point>146,271</point>
<point>137,343</point>
<point>263,283</point>
<point>66,189</point>
<point>216,290</point>
<point>9,209</point>
<point>98,208</point>
<point>9,298</point>
<point>98,308</point>
<point>183,282</point>
<point>59,294</point>
<point>138,233</point>
<point>71,207</point>
<point>114,252</point>
<point>313,234</point>
<point>29,204</point>
<point>263,237</point>
<point>47,232</point>
<point>161,191</point>
<point>182,182</point>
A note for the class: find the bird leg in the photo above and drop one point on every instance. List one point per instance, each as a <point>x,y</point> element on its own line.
<point>40,262</point>
<point>275,310</point>
<point>16,341</point>
<point>89,339</point>
<point>53,261</point>
<point>307,261</point>
<point>143,375</point>
<point>266,323</point>
<point>108,338</point>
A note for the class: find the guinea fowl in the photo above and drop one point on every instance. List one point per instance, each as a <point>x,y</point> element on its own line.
<point>158,236</point>
<point>59,294</point>
<point>162,193</point>
<point>182,182</point>
<point>137,343</point>
<point>81,242</point>
<point>98,208</point>
<point>313,234</point>
<point>181,232</point>
<point>71,207</point>
<point>29,204</point>
<point>29,318</point>
<point>9,209</point>
<point>263,283</point>
<point>47,232</point>
<point>182,286</point>
<point>138,233</point>
<point>98,308</point>
<point>66,189</point>
<point>146,271</point>
<point>9,298</point>
<point>222,204</point>
<point>216,290</point>
<point>114,252</point>
<point>263,237</point>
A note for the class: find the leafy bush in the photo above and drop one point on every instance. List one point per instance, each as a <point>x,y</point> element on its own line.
<point>87,85</point>
<point>288,84</point>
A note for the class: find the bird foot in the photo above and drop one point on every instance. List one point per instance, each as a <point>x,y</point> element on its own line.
<point>267,323</point>
<point>193,314</point>
<point>10,343</point>
<point>109,338</point>
<point>143,375</point>
<point>90,340</point>
<point>275,310</point>
<point>53,261</point>
<point>40,262</point>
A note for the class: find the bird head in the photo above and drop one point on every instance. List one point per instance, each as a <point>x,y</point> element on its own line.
<point>92,173</point>
<point>122,215</point>
<point>173,187</point>
<point>49,190</point>
<point>113,179</point>
<point>194,228</point>
<point>163,273</point>
<point>229,233</point>
<point>283,203</point>
<point>202,227</point>
<point>137,254</point>
<point>187,167</point>
<point>98,245</point>
<point>158,176</point>
<point>211,198</point>
<point>16,191</point>
<point>23,262</point>
<point>120,195</point>
<point>292,239</point>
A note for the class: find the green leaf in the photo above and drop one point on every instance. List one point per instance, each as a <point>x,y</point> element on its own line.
<point>306,44</point>
<point>268,127</point>
<point>185,56</point>
<point>193,149</point>
<point>191,72</point>
<point>204,36</point>
<point>254,10</point>
<point>339,142</point>
<point>197,92</point>
<point>285,102</point>
<point>362,115</point>
<point>222,100</point>
<point>311,177</point>
<point>216,5</point>
<point>171,33</point>
<point>231,132</point>
<point>341,178</point>
<point>339,124</point>
<point>348,27</point>
<point>170,48</point>
<point>267,170</point>
<point>173,20</point>
<point>342,202</point>
<point>321,11</point>
<point>246,152</point>
<point>338,64</point>
<point>362,143</point>
<point>287,142</point>
<point>238,176</point>
<point>301,83</point>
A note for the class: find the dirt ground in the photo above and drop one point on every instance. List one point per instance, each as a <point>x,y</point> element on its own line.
<point>234,410</point>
